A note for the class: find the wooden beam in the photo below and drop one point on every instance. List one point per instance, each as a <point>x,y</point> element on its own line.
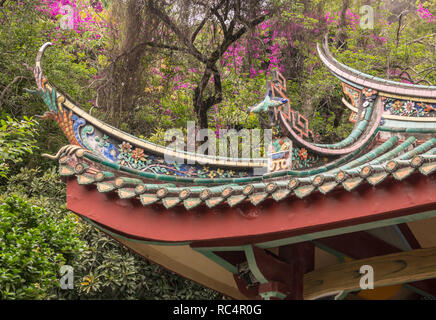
<point>409,236</point>
<point>358,245</point>
<point>362,245</point>
<point>390,269</point>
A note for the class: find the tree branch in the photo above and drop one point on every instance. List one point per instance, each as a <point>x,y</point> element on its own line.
<point>221,21</point>
<point>400,18</point>
<point>202,23</point>
<point>200,26</point>
<point>234,37</point>
<point>5,90</point>
<point>419,39</point>
<point>153,9</point>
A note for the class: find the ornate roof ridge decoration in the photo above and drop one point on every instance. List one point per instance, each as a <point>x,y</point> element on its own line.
<point>296,126</point>
<point>361,80</point>
<point>115,161</point>
<point>62,109</point>
<point>406,108</point>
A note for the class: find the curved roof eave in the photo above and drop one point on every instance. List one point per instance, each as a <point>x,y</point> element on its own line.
<point>365,80</point>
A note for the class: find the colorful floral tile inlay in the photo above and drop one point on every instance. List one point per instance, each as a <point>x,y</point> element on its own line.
<point>409,108</point>
<point>302,159</point>
<point>352,93</point>
<point>136,158</point>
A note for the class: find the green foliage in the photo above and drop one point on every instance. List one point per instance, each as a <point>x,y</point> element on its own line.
<point>107,270</point>
<point>16,140</point>
<point>103,268</point>
<point>22,31</point>
<point>240,92</point>
<point>33,247</point>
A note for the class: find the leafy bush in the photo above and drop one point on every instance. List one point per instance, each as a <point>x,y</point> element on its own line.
<point>103,268</point>
<point>33,247</point>
<point>16,139</point>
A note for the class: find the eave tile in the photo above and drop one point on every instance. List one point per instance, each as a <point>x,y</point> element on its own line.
<point>212,202</point>
<point>191,203</point>
<point>126,193</point>
<point>171,202</point>
<point>105,187</point>
<point>376,178</point>
<point>352,183</point>
<point>281,194</point>
<point>403,173</point>
<point>327,187</point>
<point>427,168</point>
<point>257,198</point>
<point>147,199</point>
<point>66,171</point>
<point>84,179</point>
<point>234,200</point>
<point>304,190</point>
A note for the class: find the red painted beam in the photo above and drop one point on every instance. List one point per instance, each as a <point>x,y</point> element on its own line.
<point>269,221</point>
<point>409,236</point>
<point>358,245</point>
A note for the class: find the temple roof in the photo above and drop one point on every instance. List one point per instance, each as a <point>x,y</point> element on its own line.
<point>229,211</point>
<point>390,160</point>
<point>384,144</point>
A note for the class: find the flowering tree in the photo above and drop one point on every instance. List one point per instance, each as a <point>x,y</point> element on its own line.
<point>220,23</point>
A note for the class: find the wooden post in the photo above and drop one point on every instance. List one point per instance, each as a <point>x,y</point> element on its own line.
<point>301,258</point>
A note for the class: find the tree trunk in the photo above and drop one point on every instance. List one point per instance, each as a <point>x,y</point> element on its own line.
<point>201,103</point>
<point>342,36</point>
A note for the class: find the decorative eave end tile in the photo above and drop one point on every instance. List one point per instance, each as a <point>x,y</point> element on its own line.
<point>84,179</point>
<point>212,202</point>
<point>403,173</point>
<point>281,194</point>
<point>257,198</point>
<point>105,187</point>
<point>191,203</point>
<point>126,193</point>
<point>234,200</point>
<point>327,187</point>
<point>376,178</point>
<point>304,191</point>
<point>427,168</point>
<point>66,171</point>
<point>171,202</point>
<point>147,199</point>
<point>352,183</point>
